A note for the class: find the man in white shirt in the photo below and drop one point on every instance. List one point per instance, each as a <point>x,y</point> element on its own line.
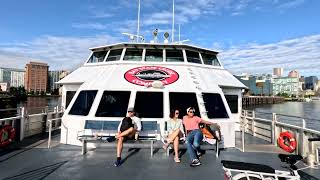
<point>127,129</point>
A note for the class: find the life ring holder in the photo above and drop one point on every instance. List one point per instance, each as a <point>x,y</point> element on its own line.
<point>287,141</point>
<point>7,135</point>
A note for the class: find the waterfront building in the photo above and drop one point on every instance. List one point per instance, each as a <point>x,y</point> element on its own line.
<point>287,85</point>
<point>54,76</point>
<point>258,85</point>
<point>15,77</point>
<point>36,77</point>
<point>5,75</point>
<point>302,81</point>
<point>278,72</point>
<point>311,82</point>
<point>294,73</point>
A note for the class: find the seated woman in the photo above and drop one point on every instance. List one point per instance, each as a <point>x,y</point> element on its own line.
<point>175,131</point>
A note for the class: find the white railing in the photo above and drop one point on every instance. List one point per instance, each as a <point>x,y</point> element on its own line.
<point>270,129</point>
<point>32,124</point>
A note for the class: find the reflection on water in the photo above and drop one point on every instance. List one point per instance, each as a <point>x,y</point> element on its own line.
<point>37,104</point>
<point>292,113</point>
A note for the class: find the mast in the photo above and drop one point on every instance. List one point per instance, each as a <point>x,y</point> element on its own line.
<point>172,32</point>
<point>138,21</point>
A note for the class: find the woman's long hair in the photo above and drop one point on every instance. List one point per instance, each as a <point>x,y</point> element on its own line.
<point>172,113</point>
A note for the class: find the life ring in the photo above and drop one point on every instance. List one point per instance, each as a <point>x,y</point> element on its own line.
<point>287,141</point>
<point>7,135</point>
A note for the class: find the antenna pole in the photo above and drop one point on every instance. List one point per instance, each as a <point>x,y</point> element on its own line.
<point>179,32</point>
<point>138,21</point>
<point>172,21</point>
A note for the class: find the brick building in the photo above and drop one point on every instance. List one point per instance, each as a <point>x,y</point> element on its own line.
<point>36,77</point>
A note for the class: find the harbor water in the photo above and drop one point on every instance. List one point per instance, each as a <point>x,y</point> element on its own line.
<point>291,113</point>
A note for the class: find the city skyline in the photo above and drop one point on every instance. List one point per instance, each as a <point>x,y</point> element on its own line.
<point>252,36</point>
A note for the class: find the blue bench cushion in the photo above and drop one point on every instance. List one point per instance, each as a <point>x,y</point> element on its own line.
<point>113,125</point>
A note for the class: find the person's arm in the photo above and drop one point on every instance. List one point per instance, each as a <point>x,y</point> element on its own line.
<point>137,121</point>
<point>119,126</point>
<point>209,123</point>
<point>181,128</point>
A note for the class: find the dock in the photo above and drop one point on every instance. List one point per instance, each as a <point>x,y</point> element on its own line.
<point>259,100</point>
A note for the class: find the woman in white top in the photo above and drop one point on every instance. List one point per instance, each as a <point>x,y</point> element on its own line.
<point>175,131</point>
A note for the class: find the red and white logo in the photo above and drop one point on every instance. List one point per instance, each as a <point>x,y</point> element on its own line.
<point>145,75</point>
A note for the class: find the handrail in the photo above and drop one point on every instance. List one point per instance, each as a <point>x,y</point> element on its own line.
<point>50,130</point>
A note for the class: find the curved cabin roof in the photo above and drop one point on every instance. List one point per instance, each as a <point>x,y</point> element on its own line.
<point>195,68</point>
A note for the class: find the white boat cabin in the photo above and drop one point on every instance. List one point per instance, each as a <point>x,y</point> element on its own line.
<point>154,79</point>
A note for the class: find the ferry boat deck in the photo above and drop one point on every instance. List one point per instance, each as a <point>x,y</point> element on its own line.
<point>35,161</point>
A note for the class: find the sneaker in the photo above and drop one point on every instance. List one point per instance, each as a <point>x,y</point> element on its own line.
<point>117,163</point>
<point>195,162</point>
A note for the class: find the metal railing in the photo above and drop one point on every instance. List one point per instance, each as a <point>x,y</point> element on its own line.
<point>32,124</point>
<point>270,129</point>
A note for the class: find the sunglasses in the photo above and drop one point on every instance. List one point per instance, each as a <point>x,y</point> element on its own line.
<point>191,111</point>
<point>176,113</point>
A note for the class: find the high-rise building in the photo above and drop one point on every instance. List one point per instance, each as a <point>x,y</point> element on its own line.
<point>258,85</point>
<point>278,72</point>
<point>54,76</point>
<point>36,77</point>
<point>17,78</point>
<point>288,85</point>
<point>14,77</point>
<point>294,73</point>
<point>5,75</point>
<point>311,82</point>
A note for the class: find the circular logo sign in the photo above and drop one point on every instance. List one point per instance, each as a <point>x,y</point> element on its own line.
<point>145,75</point>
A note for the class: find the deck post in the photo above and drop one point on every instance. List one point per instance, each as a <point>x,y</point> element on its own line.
<point>253,123</point>
<point>49,137</point>
<point>151,148</point>
<point>274,129</point>
<point>301,149</point>
<point>22,120</point>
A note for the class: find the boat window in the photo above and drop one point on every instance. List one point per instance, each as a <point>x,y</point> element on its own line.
<point>232,102</point>
<point>210,59</point>
<point>69,97</point>
<point>114,55</point>
<point>182,101</point>
<point>214,106</point>
<point>154,55</point>
<point>149,104</point>
<point>174,55</point>
<point>193,57</point>
<point>83,103</point>
<point>97,57</point>
<point>113,104</point>
<point>133,55</point>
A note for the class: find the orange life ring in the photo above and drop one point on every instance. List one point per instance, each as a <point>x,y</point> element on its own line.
<point>7,135</point>
<point>287,141</point>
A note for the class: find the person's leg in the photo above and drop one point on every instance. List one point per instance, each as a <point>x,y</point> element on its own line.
<point>119,146</point>
<point>197,140</point>
<point>173,135</point>
<point>176,147</point>
<point>126,132</point>
<point>190,149</point>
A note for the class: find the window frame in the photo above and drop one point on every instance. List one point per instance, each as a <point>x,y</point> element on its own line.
<point>113,91</point>
<point>192,51</point>
<point>117,49</point>
<point>146,52</point>
<point>229,95</point>
<point>182,56</point>
<point>78,95</point>
<point>217,60</point>
<point>93,52</point>
<point>207,109</point>
<point>163,100</point>
<point>126,49</point>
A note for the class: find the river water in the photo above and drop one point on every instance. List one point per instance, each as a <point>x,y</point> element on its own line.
<point>292,113</point>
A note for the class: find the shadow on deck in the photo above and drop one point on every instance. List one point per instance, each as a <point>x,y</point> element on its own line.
<point>66,162</point>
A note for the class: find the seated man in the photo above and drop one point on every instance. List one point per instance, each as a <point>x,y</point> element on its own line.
<point>127,129</point>
<point>194,135</point>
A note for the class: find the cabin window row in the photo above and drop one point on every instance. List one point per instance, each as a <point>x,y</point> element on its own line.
<point>154,55</point>
<point>149,104</point>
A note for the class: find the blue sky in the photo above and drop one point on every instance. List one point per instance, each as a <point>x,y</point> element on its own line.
<point>252,35</point>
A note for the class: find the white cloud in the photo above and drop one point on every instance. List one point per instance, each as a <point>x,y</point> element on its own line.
<point>299,53</point>
<point>58,52</point>
<point>94,25</point>
<point>291,4</point>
